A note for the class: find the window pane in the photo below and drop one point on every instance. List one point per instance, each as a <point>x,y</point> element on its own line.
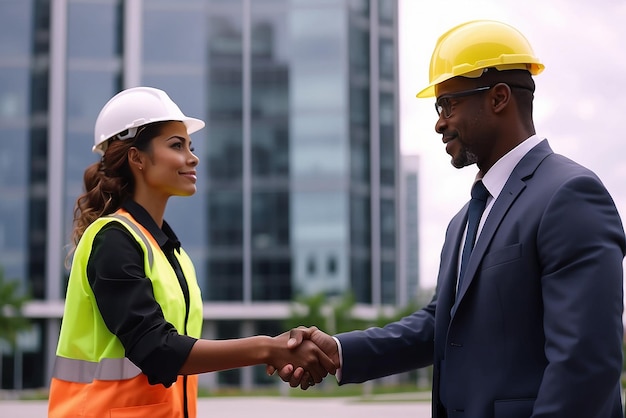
<point>100,21</point>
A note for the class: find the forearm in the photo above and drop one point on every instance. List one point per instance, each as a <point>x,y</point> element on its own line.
<point>215,355</point>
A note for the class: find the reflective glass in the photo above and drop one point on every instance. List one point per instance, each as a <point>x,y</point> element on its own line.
<point>388,287</point>
<point>225,219</point>
<point>319,217</point>
<point>174,33</point>
<point>271,278</point>
<point>361,277</point>
<point>359,50</point>
<point>318,149</point>
<point>270,220</point>
<point>361,7</point>
<point>386,11</point>
<point>225,278</point>
<point>14,88</point>
<point>317,72</point>
<point>387,224</point>
<point>270,91</point>
<point>14,190</point>
<point>360,222</point>
<point>92,30</point>
<point>387,139</point>
<point>387,59</point>
<point>15,28</point>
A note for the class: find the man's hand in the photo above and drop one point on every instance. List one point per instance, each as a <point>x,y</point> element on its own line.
<point>298,376</point>
<point>293,352</point>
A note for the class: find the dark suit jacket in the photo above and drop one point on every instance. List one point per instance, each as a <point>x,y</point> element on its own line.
<point>536,329</point>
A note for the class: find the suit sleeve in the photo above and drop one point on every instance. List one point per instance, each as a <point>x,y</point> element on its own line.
<point>400,346</point>
<point>581,247</point>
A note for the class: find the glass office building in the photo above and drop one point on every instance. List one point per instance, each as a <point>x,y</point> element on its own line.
<point>297,182</point>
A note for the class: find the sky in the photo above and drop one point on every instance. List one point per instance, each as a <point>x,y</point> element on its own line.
<point>580,98</point>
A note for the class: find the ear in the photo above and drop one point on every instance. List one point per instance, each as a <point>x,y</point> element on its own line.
<point>500,97</point>
<point>136,159</point>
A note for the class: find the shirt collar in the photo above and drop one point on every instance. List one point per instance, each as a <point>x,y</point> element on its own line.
<point>497,176</point>
<point>165,237</point>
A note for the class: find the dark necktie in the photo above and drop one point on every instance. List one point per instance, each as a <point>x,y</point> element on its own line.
<point>475,211</point>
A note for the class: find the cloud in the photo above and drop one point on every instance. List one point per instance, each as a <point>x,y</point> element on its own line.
<point>579,103</point>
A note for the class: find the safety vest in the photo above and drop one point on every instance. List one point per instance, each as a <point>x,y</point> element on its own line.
<point>92,377</point>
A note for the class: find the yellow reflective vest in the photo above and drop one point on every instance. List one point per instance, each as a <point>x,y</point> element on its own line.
<point>92,377</point>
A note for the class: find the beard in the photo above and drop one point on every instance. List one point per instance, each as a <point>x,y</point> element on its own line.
<point>464,158</point>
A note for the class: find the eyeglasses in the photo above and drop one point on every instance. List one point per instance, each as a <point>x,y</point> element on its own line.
<point>443,104</point>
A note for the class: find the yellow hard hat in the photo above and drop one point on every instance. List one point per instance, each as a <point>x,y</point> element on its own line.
<point>467,49</point>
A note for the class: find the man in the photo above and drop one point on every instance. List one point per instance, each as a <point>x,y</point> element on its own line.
<point>529,322</point>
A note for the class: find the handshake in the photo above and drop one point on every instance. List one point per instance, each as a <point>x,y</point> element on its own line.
<point>310,355</point>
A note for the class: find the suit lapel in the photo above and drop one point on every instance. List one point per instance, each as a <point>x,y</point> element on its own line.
<point>512,189</point>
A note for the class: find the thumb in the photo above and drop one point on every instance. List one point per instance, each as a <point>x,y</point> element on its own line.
<point>297,335</point>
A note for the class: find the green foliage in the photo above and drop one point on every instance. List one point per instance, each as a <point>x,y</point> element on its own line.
<point>334,315</point>
<point>307,311</point>
<point>11,301</point>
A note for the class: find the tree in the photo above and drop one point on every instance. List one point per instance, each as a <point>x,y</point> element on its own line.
<point>332,315</point>
<point>11,302</point>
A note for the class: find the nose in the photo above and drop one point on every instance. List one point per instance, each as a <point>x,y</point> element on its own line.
<point>193,159</point>
<point>441,124</point>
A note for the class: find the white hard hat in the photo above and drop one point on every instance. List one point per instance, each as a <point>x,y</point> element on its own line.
<point>135,107</point>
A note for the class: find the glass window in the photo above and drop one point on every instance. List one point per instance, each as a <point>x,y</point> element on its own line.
<point>225,219</point>
<point>387,11</point>
<point>388,282</point>
<point>331,265</point>
<point>361,278</point>
<point>174,33</point>
<point>361,7</point>
<point>14,190</point>
<point>271,278</point>
<point>269,90</point>
<point>16,31</point>
<point>317,69</point>
<point>270,220</point>
<point>225,279</point>
<point>387,59</point>
<point>14,95</point>
<point>359,159</point>
<point>87,92</point>
<point>318,147</point>
<point>360,222</point>
<point>360,106</point>
<point>359,47</point>
<point>387,224</point>
<point>270,150</point>
<point>319,217</point>
<point>224,152</point>
<point>387,139</point>
<point>93,30</point>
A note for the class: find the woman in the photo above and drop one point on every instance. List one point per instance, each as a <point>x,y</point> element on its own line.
<point>129,342</point>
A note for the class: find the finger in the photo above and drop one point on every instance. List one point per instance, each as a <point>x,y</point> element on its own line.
<point>326,362</point>
<point>286,373</point>
<point>307,382</point>
<point>270,370</point>
<point>297,335</point>
<point>296,377</point>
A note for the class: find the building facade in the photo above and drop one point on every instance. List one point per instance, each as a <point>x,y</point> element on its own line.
<point>298,189</point>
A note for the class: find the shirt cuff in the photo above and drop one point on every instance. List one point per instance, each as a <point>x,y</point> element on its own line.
<point>338,373</point>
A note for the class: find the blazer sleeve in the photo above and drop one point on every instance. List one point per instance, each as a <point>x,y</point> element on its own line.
<point>580,243</point>
<point>400,346</point>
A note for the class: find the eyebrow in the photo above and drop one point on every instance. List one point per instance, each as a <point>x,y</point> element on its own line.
<point>182,138</point>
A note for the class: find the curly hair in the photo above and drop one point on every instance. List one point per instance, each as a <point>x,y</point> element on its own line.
<point>110,182</point>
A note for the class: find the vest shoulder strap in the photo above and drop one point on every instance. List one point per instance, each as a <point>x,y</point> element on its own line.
<point>132,226</point>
